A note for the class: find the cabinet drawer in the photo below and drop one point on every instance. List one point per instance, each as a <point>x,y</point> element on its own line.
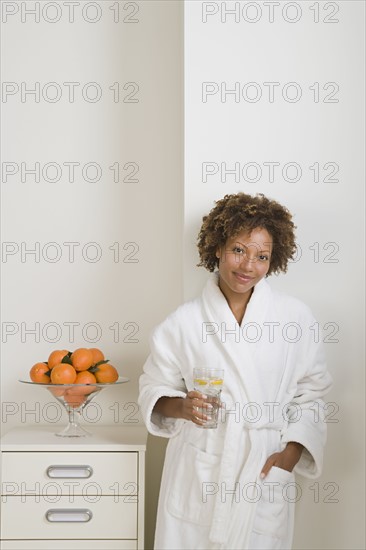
<point>69,473</point>
<point>71,544</point>
<point>108,518</point>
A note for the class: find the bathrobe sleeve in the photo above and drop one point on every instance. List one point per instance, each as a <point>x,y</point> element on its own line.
<point>162,377</point>
<point>306,412</point>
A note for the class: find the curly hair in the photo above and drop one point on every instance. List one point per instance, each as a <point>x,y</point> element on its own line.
<point>241,212</point>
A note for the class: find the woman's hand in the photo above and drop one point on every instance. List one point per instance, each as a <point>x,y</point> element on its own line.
<point>286,459</point>
<point>191,405</point>
<point>186,408</point>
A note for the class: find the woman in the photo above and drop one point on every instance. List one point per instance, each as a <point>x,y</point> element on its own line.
<point>234,487</point>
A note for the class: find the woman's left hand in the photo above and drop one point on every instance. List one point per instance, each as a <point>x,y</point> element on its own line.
<point>286,459</point>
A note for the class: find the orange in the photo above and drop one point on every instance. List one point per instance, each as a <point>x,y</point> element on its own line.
<point>85,377</point>
<point>76,395</point>
<point>97,355</point>
<point>57,392</point>
<point>74,400</point>
<point>38,373</point>
<point>82,359</point>
<point>56,357</point>
<point>63,373</point>
<point>106,374</point>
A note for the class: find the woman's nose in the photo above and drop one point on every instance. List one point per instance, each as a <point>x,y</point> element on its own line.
<point>248,260</point>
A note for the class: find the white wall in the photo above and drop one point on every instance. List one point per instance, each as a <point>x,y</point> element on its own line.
<point>144,46</point>
<point>229,129</point>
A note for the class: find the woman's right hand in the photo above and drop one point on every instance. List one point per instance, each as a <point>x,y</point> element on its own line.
<point>186,408</point>
<point>191,407</point>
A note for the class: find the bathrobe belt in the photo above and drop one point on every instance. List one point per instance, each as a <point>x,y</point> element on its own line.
<point>230,522</point>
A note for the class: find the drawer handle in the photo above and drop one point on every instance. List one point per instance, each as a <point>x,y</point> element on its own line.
<point>62,515</point>
<point>69,471</point>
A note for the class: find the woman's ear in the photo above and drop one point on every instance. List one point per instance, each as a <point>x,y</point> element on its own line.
<point>218,253</point>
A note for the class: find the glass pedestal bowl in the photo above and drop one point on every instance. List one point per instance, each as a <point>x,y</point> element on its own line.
<point>74,398</point>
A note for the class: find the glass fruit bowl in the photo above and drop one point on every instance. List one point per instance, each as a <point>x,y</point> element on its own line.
<point>74,397</point>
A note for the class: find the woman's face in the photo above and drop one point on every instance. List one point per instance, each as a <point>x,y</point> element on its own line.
<point>244,261</point>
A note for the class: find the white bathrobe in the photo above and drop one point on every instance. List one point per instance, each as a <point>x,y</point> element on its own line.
<point>211,495</point>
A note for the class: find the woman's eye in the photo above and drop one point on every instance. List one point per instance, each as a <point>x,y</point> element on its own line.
<point>263,258</point>
<point>238,250</point>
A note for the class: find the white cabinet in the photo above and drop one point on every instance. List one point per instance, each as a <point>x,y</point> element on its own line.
<point>75,493</point>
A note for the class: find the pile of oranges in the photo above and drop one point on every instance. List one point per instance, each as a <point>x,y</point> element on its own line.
<point>83,366</point>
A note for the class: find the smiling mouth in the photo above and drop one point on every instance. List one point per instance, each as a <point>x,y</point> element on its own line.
<point>243,277</point>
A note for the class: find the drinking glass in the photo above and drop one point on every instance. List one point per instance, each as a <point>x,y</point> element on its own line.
<point>209,381</point>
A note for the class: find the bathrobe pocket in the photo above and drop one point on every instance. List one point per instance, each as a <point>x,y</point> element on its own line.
<point>194,486</point>
<point>273,512</point>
